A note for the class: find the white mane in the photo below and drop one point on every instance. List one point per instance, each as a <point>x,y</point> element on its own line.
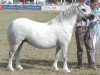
<point>64,15</point>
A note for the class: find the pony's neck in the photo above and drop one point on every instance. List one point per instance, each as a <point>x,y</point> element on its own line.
<point>72,20</point>
<point>67,19</point>
<point>67,15</point>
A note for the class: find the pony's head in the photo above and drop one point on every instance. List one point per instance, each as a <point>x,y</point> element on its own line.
<point>84,10</point>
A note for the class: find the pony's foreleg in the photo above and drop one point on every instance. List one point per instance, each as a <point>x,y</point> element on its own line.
<point>58,50</point>
<point>12,51</point>
<point>18,65</point>
<point>64,52</point>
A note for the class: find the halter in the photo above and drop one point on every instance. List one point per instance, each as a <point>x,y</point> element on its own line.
<point>81,11</point>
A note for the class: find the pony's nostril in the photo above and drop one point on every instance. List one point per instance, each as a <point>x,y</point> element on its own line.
<point>91,17</point>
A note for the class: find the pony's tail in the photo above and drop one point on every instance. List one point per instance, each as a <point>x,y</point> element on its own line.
<point>9,34</point>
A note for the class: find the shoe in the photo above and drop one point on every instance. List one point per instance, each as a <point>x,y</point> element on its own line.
<point>93,67</point>
<point>80,67</point>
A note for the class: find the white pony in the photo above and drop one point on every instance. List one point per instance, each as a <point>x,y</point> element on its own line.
<point>56,32</point>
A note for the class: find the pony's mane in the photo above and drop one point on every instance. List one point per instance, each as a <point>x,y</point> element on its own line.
<point>66,14</point>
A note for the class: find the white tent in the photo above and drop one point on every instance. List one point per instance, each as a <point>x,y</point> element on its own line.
<point>6,1</point>
<point>36,1</point>
<point>44,1</point>
<point>64,1</point>
<point>9,1</point>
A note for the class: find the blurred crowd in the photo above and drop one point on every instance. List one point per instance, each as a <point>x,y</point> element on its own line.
<point>57,2</point>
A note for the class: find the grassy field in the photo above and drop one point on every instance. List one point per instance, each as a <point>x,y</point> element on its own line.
<point>38,61</point>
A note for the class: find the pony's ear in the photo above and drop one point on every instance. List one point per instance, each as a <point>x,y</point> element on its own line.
<point>85,5</point>
<point>81,4</point>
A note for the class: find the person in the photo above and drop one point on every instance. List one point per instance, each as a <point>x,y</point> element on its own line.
<point>82,35</point>
<point>80,32</point>
<point>89,36</point>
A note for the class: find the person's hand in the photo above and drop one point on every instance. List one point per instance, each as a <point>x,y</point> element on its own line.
<point>98,15</point>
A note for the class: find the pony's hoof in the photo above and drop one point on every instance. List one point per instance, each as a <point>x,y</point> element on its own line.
<point>67,71</point>
<point>56,68</point>
<point>19,67</point>
<point>10,69</point>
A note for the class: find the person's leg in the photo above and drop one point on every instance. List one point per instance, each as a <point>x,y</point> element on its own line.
<point>79,41</point>
<point>90,50</point>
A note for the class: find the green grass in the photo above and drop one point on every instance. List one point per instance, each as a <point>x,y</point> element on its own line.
<point>38,61</point>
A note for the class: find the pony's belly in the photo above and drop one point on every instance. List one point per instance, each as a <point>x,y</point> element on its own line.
<point>42,43</point>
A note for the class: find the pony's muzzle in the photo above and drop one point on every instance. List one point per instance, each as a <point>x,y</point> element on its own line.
<point>91,17</point>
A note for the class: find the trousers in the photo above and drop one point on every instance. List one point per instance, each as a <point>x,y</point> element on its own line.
<point>84,37</point>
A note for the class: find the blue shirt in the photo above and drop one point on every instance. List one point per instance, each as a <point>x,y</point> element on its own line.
<point>96,12</point>
<point>94,25</point>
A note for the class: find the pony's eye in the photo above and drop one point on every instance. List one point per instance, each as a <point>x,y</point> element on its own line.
<point>84,10</point>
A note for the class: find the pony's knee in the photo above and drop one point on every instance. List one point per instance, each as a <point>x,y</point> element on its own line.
<point>11,52</point>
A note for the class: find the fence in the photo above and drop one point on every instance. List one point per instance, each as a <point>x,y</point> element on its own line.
<point>19,7</point>
<point>32,7</point>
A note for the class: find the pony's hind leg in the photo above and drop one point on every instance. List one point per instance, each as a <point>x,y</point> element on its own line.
<point>18,65</point>
<point>12,51</point>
